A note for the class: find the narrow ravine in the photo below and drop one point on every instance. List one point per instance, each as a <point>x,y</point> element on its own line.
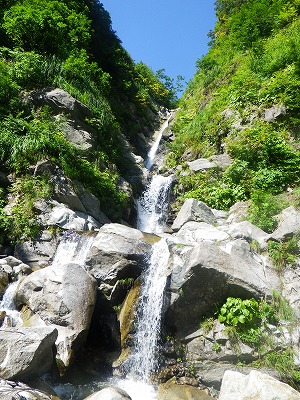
<point>152,207</point>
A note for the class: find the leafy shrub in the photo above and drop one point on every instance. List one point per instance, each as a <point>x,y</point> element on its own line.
<point>284,253</point>
<point>262,210</point>
<point>238,312</point>
<point>54,27</point>
<point>21,222</point>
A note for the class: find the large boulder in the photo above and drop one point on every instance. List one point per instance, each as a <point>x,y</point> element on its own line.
<point>173,391</point>
<point>255,386</point>
<point>193,210</point>
<point>289,223</point>
<point>196,232</point>
<point>109,393</point>
<point>10,390</point>
<point>37,253</point>
<point>118,252</point>
<point>26,352</point>
<point>205,275</point>
<point>246,230</point>
<point>201,164</point>
<point>63,296</point>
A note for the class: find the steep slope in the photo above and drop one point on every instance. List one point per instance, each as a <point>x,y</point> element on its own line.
<point>243,102</point>
<point>106,106</point>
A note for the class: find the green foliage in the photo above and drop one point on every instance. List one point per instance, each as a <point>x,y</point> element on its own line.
<point>54,27</point>
<point>237,311</point>
<point>216,347</point>
<point>21,222</point>
<point>263,209</point>
<point>283,362</point>
<point>282,308</point>
<point>246,318</point>
<point>252,65</point>
<point>207,324</point>
<point>284,253</point>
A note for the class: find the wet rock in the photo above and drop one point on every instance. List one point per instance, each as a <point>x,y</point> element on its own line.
<point>109,393</point>
<point>193,210</point>
<point>10,390</point>
<point>15,268</point>
<point>118,252</point>
<point>37,253</point>
<point>64,297</point>
<point>26,352</point>
<point>3,279</point>
<point>256,385</point>
<point>172,391</point>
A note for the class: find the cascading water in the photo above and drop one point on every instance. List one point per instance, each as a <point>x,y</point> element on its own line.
<point>73,248</point>
<point>152,209</point>
<point>152,206</point>
<point>8,306</point>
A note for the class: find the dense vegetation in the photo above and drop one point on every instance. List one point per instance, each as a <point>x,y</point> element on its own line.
<point>253,64</point>
<point>69,44</point>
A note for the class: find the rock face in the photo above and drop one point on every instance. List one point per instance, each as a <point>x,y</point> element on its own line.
<point>26,352</point>
<point>63,297</point>
<point>109,393</point>
<point>289,223</point>
<point>255,386</point>
<point>193,210</point>
<point>118,252</point>
<point>198,271</point>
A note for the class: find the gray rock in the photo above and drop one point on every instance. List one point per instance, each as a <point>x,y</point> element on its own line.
<point>256,386</point>
<point>221,160</point>
<point>63,296</point>
<point>197,272</point>
<point>109,393</point>
<point>26,352</point>
<point>80,135</point>
<point>15,268</point>
<point>201,164</point>
<point>60,102</point>
<point>192,232</point>
<point>273,113</point>
<point>10,390</point>
<point>174,391</point>
<point>238,212</point>
<point>118,252</point>
<point>245,230</point>
<point>66,218</point>
<point>38,252</point>
<point>3,280</point>
<point>193,210</point>
<point>289,223</point>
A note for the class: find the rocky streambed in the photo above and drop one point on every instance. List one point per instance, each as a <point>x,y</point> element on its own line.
<point>81,309</point>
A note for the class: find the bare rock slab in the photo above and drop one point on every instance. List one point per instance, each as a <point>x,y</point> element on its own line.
<point>193,210</point>
<point>255,386</point>
<point>26,352</point>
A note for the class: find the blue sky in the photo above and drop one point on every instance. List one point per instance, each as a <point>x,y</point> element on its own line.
<point>170,34</point>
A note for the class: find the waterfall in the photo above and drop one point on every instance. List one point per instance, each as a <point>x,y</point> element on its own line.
<point>73,248</point>
<point>152,206</point>
<point>8,306</point>
<point>152,153</point>
<point>144,359</point>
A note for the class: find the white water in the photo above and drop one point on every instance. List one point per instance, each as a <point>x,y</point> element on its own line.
<point>152,206</point>
<point>152,153</point>
<point>7,304</point>
<point>73,248</point>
